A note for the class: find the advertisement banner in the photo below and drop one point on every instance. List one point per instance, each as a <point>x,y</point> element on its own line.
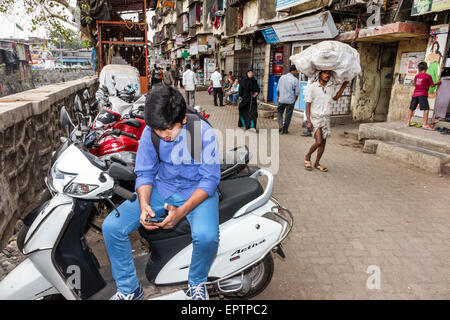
<point>435,55</point>
<point>179,41</point>
<point>319,26</point>
<point>426,6</point>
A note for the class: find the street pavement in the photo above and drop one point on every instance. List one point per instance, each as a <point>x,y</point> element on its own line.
<point>366,218</point>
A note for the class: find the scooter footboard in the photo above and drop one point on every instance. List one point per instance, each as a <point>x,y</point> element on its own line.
<point>25,282</point>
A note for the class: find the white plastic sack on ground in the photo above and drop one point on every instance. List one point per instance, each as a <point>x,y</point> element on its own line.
<point>335,56</point>
<point>123,75</point>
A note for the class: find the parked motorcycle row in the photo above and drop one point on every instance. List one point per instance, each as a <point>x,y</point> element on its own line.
<point>92,172</point>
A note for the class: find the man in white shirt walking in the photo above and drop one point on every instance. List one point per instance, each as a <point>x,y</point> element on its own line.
<point>189,83</point>
<point>216,82</point>
<point>319,97</point>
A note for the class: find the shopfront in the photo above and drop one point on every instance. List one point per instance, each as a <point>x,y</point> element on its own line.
<point>291,37</point>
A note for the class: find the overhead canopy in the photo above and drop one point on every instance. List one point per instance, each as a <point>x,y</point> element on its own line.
<point>387,33</point>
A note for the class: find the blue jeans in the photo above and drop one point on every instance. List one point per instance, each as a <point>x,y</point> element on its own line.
<point>204,222</point>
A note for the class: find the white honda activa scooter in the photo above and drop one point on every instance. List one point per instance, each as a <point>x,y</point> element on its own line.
<point>60,264</point>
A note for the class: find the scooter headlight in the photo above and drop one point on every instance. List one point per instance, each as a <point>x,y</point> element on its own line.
<point>80,189</point>
<point>58,179</point>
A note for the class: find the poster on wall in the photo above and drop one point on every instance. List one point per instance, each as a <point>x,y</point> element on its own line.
<point>408,66</point>
<point>435,54</point>
<point>434,57</point>
<point>426,6</point>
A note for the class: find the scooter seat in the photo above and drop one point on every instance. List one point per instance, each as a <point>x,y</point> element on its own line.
<point>234,194</point>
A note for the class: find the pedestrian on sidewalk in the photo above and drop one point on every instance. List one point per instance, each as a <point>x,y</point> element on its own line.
<point>248,107</point>
<point>319,97</point>
<point>217,83</point>
<point>422,83</point>
<point>167,77</point>
<point>287,94</point>
<point>189,83</point>
<point>175,76</point>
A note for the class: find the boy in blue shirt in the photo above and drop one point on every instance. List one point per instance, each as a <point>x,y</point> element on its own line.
<point>171,181</point>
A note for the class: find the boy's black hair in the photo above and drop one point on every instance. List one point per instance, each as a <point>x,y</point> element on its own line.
<point>422,66</point>
<point>168,68</point>
<point>188,66</point>
<point>164,107</point>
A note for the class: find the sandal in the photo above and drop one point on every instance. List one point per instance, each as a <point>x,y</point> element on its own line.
<point>427,127</point>
<point>321,168</point>
<point>308,165</point>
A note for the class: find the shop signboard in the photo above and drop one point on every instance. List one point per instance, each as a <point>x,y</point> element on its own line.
<point>270,36</point>
<point>179,41</point>
<point>237,44</point>
<point>319,26</point>
<point>193,48</point>
<point>202,46</point>
<point>426,6</point>
<point>285,4</point>
<point>211,43</point>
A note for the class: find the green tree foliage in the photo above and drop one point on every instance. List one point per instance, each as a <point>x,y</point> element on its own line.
<point>57,16</point>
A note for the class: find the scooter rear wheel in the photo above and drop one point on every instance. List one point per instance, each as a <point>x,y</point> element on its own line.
<point>261,275</point>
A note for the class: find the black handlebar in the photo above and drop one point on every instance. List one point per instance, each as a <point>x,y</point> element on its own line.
<point>124,193</point>
<point>126,134</point>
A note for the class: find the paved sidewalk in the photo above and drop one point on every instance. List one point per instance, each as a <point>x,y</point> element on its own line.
<point>365,211</point>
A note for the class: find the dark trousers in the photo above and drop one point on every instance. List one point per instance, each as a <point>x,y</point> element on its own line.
<point>289,111</point>
<point>218,91</point>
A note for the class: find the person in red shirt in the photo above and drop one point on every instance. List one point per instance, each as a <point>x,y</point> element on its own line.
<point>422,82</point>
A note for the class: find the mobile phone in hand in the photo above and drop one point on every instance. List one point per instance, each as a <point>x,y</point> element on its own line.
<point>155,219</point>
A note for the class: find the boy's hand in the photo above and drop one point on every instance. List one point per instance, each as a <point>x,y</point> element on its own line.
<point>174,215</point>
<point>146,212</point>
<point>438,83</point>
<point>309,126</point>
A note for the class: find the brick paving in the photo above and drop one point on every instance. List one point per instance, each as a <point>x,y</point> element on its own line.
<point>364,211</point>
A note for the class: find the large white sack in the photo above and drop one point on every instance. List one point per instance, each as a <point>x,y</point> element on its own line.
<point>335,56</point>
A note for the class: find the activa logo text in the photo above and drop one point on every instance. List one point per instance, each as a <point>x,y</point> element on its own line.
<point>239,251</point>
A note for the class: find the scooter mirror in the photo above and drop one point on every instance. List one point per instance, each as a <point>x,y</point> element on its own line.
<point>77,106</point>
<point>86,95</point>
<point>65,120</point>
<point>120,172</point>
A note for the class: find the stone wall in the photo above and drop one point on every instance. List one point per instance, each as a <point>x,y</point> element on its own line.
<point>401,94</point>
<point>29,132</point>
<point>23,78</point>
<point>371,93</point>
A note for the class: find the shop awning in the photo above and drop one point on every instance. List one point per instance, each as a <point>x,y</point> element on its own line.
<point>387,33</point>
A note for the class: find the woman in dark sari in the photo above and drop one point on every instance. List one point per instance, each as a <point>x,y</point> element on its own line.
<point>248,108</point>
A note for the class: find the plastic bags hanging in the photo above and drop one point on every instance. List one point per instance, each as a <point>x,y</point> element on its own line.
<point>335,56</point>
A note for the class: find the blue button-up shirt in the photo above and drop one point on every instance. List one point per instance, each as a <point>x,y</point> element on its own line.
<point>177,171</point>
<point>288,88</point>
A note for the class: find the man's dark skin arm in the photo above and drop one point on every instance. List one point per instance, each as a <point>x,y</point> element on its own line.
<point>308,115</point>
<point>341,90</point>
